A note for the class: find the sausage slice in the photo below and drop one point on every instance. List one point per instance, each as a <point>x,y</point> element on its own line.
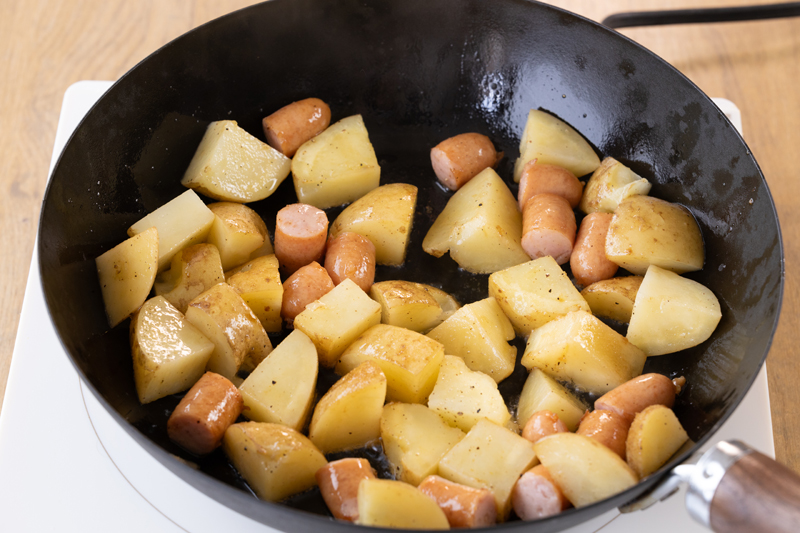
<point>338,483</point>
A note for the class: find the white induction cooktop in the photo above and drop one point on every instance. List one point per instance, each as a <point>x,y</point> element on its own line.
<point>66,466</point>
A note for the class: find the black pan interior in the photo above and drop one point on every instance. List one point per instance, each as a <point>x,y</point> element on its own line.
<point>418,71</point>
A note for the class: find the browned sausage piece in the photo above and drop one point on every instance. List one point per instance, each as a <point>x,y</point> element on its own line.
<point>637,394</point>
<point>536,495</point>
<point>205,412</point>
<point>541,178</point>
<point>292,125</point>
<point>300,234</point>
<point>543,424</point>
<point>306,285</point>
<point>606,427</point>
<point>338,483</point>
<point>464,506</point>
<point>588,260</point>
<point>459,159</point>
<point>350,255</point>
<point>548,227</point>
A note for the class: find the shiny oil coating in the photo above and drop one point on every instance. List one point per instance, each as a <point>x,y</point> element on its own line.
<point>637,394</point>
<point>300,234</point>
<point>308,284</point>
<point>459,159</point>
<point>351,256</point>
<point>609,428</point>
<point>462,505</point>
<point>542,424</point>
<point>538,178</point>
<point>548,227</point>
<point>588,261</point>
<point>338,483</point>
<point>289,127</point>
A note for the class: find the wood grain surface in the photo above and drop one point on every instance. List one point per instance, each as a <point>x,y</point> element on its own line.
<point>46,45</point>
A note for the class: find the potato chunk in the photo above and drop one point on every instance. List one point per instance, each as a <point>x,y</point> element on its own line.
<point>126,273</point>
<point>541,392</point>
<point>481,226</point>
<point>534,293</point>
<point>222,316</point>
<point>415,439</point>
<point>337,166</point>
<point>394,504</point>
<point>237,232</point>
<point>411,305</point>
<point>181,222</point>
<point>463,397</point>
<point>169,354</point>
<point>349,415</point>
<point>580,349</point>
<point>672,313</point>
<point>233,166</point>
<point>335,320</point>
<point>384,216</point>
<point>489,457</point>
<point>194,270</point>
<point>611,183</point>
<point>551,140</point>
<point>647,231</point>
<point>409,360</point>
<point>613,298</point>
<point>586,471</point>
<point>281,388</point>
<point>276,461</point>
<point>655,435</point>
<point>259,283</point>
<point>478,334</point>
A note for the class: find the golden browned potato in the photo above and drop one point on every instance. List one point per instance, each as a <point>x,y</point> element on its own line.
<point>551,140</point>
<point>411,305</point>
<point>578,348</point>
<point>169,354</point>
<point>534,293</point>
<point>672,313</point>
<point>611,183</point>
<point>276,461</point>
<point>409,360</point>
<point>259,283</point>
<point>193,270</point>
<point>586,470</point>
<point>647,231</point>
<point>349,414</point>
<point>654,436</point>
<point>233,166</point>
<point>541,392</point>
<point>337,166</point>
<point>414,440</point>
<point>394,504</point>
<point>479,333</point>
<point>384,216</point>
<point>281,388</point>
<point>127,273</point>
<point>481,226</point>
<point>613,298</point>
<point>237,232</point>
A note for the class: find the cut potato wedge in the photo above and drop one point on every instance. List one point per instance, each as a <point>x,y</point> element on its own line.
<point>394,504</point>
<point>613,298</point>
<point>349,414</point>
<point>169,354</point>
<point>551,140</point>
<point>586,471</point>
<point>276,461</point>
<point>655,435</point>
<point>281,388</point>
<point>337,166</point>
<point>127,273</point>
<point>481,226</point>
<point>406,304</point>
<point>237,232</point>
<point>193,270</point>
<point>384,216</point>
<point>672,313</point>
<point>541,392</point>
<point>233,166</point>
<point>259,283</point>
<point>611,183</point>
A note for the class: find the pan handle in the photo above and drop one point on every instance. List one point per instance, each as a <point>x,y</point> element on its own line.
<point>705,15</point>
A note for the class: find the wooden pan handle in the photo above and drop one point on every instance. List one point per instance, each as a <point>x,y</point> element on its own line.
<point>756,494</point>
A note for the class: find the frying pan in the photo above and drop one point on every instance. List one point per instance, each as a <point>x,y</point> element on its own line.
<point>418,71</point>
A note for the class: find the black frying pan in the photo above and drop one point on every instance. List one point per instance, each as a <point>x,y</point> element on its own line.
<point>419,71</point>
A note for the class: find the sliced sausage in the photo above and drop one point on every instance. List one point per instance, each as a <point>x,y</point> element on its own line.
<point>351,256</point>
<point>538,178</point>
<point>300,234</point>
<point>292,125</point>
<point>464,506</point>
<point>459,159</point>
<point>338,483</point>
<point>635,395</point>
<point>199,421</point>
<point>548,227</point>
<point>588,260</point>
<point>536,495</point>
<point>606,427</point>
<point>543,424</point>
<point>308,284</point>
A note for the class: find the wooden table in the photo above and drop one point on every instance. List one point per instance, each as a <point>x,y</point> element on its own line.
<point>46,45</point>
